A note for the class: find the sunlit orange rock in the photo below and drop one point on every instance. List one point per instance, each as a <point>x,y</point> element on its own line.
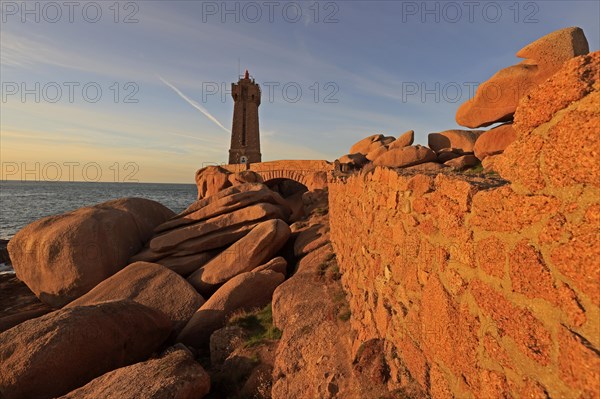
<point>496,99</point>
<point>62,257</point>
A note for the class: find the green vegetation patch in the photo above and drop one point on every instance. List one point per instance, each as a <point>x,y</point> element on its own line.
<point>475,170</point>
<point>258,325</point>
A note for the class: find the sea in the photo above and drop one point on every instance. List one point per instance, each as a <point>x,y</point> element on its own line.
<point>22,202</point>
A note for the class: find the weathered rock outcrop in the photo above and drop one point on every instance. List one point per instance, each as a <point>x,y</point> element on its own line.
<point>259,245</point>
<point>494,141</point>
<point>278,264</point>
<point>174,375</point>
<point>4,256</point>
<point>241,370</point>
<point>314,357</point>
<point>489,163</point>
<point>371,156</point>
<point>557,128</point>
<point>463,140</point>
<point>223,202</point>
<point>243,292</point>
<point>442,284</point>
<point>53,354</point>
<point>405,156</point>
<point>240,217</point>
<point>151,285</point>
<point>404,140</point>
<point>245,176</point>
<point>210,180</point>
<point>186,264</point>
<point>356,160</point>
<point>62,257</point>
<point>207,233</point>
<point>373,147</point>
<point>446,154</point>
<point>444,147</point>
<point>370,148</point>
<point>369,144</point>
<point>306,362</point>
<point>18,303</point>
<point>311,238</point>
<point>200,246</point>
<point>496,99</point>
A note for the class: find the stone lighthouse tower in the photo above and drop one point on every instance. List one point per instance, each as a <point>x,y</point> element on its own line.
<point>245,137</point>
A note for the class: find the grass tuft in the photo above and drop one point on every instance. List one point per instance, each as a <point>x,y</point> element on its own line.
<point>258,324</point>
<point>475,170</point>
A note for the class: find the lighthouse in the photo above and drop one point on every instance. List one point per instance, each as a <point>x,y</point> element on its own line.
<point>245,136</point>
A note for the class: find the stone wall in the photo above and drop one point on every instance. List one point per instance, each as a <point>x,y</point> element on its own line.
<point>478,286</point>
<point>293,164</point>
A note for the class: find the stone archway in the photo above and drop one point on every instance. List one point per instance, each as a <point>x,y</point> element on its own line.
<point>281,174</point>
<point>292,191</point>
<point>311,173</point>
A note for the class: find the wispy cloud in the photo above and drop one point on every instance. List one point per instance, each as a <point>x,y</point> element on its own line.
<point>195,105</point>
<point>274,147</point>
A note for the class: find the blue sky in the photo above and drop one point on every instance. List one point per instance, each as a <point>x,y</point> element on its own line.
<point>371,67</point>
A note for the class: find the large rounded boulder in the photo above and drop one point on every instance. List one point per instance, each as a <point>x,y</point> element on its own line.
<point>151,285</point>
<point>174,375</point>
<point>212,179</point>
<point>244,292</point>
<point>258,246</point>
<point>405,156</point>
<point>63,350</point>
<point>62,257</point>
<point>494,141</point>
<point>496,99</point>
<point>463,140</point>
<point>367,144</point>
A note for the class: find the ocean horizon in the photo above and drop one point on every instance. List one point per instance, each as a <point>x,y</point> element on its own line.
<point>23,202</point>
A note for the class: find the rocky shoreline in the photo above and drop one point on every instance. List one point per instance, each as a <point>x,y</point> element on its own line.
<point>242,295</point>
<point>17,302</point>
<point>232,357</point>
<point>4,257</point>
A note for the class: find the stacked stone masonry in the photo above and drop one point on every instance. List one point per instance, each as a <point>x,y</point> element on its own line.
<point>486,287</point>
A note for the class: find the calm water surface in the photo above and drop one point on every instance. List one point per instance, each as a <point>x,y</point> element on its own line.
<point>24,202</point>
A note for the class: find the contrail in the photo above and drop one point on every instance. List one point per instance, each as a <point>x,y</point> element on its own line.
<point>195,105</point>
